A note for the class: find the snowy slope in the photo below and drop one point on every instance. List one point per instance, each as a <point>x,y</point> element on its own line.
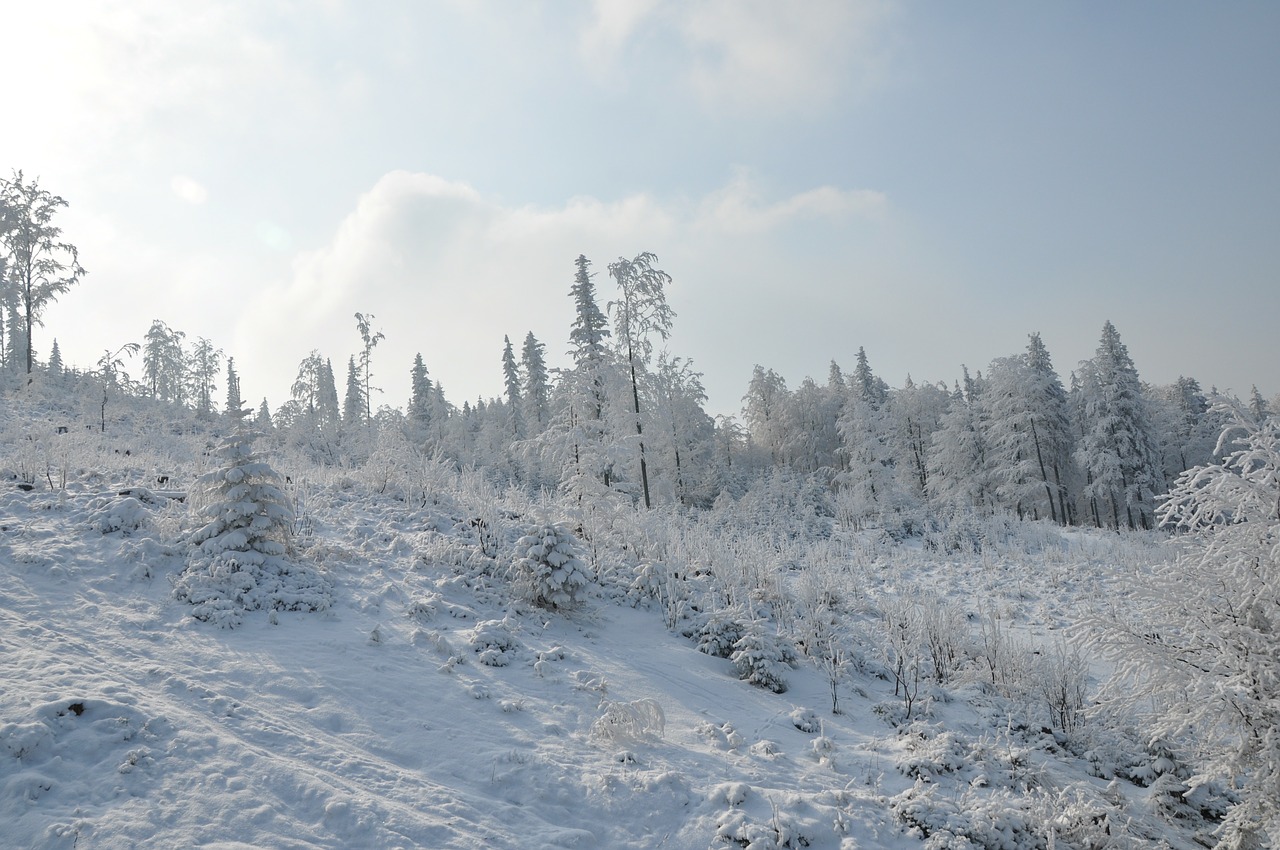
<point>377,723</point>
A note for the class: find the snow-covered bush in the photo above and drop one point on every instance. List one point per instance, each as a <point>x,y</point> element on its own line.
<point>494,643</point>
<point>125,514</point>
<point>629,721</point>
<point>1204,651</point>
<point>550,570</point>
<point>239,560</point>
<point>762,658</point>
<point>718,633</point>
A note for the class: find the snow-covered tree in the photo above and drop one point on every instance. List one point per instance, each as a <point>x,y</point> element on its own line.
<point>353,403</point>
<point>959,476</point>
<point>1201,662</point>
<point>537,384</point>
<point>1028,433</point>
<point>202,370</point>
<point>912,415</point>
<point>764,410</point>
<point>234,402</point>
<point>370,338</point>
<point>641,312</point>
<point>39,264</point>
<point>164,363</point>
<point>263,420</point>
<point>240,555</point>
<point>55,359</point>
<point>511,384</point>
<point>1118,447</point>
<point>550,569</point>
<point>420,401</point>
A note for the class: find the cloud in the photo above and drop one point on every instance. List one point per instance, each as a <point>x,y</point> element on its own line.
<point>750,53</point>
<point>447,271</point>
<point>739,207</point>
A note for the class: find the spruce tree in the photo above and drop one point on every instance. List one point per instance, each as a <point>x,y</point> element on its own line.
<point>1118,447</point>
<point>353,404</point>
<point>240,555</point>
<point>537,384</point>
<point>420,401</point>
<point>511,382</point>
<point>234,402</point>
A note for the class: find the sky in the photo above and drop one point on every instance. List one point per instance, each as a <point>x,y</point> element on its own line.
<point>930,181</point>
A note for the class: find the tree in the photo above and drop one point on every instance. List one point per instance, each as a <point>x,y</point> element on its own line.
<point>537,384</point>
<point>959,475</point>
<point>364,324</point>
<point>420,401</point>
<point>1118,447</point>
<point>640,312</point>
<point>111,375</point>
<point>353,404</point>
<point>39,265</point>
<point>234,402</point>
<point>511,381</point>
<point>1028,433</point>
<point>264,416</point>
<point>1202,661</point>
<point>55,359</point>
<point>203,370</point>
<point>764,409</point>
<point>164,363</point>
<point>239,560</point>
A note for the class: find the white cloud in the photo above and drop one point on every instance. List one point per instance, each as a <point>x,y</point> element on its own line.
<point>448,271</point>
<point>751,53</point>
<point>740,208</point>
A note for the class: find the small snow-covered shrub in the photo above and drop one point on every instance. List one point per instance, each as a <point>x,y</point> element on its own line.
<point>931,753</point>
<point>239,560</point>
<point>550,569</point>
<point>997,822</point>
<point>762,658</point>
<point>494,643</point>
<point>805,719</point>
<point>629,721</point>
<point>125,514</point>
<point>718,633</point>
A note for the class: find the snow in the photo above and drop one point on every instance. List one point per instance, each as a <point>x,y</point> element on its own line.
<point>431,707</point>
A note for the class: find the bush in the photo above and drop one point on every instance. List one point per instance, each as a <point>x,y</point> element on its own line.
<point>550,569</point>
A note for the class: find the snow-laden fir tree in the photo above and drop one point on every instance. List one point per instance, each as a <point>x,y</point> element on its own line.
<point>1028,433</point>
<point>353,404</point>
<point>511,383</point>
<point>549,570</point>
<point>234,402</point>
<point>239,557</point>
<point>959,479</point>
<point>420,402</point>
<point>537,384</point>
<point>1199,658</point>
<point>1118,448</point>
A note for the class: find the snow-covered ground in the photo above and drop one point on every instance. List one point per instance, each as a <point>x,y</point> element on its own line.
<point>429,706</point>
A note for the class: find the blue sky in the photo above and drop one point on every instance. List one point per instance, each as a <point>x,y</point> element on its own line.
<point>932,181</point>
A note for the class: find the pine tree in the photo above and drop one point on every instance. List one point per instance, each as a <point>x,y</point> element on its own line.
<point>1118,448</point>
<point>239,560</point>
<point>511,381</point>
<point>264,417</point>
<point>420,401</point>
<point>959,476</point>
<point>353,404</point>
<point>55,359</point>
<point>234,402</point>
<point>537,384</point>
<point>1029,433</point>
<point>866,385</point>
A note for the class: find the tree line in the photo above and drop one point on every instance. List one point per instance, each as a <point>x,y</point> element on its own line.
<point>626,420</point>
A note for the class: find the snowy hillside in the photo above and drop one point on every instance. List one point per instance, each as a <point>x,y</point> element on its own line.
<point>430,706</point>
